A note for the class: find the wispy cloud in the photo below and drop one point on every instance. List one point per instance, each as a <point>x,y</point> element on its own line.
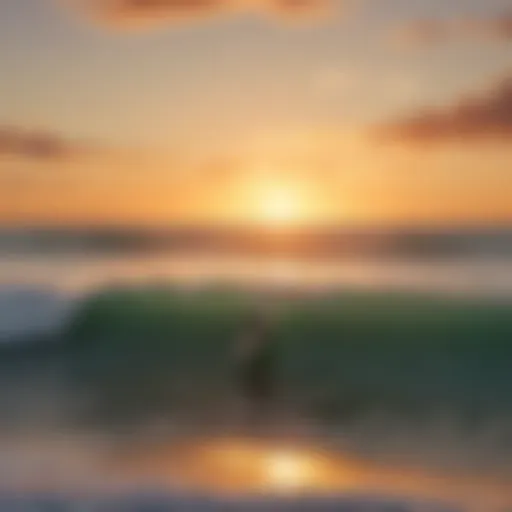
<point>483,116</point>
<point>137,13</point>
<point>433,31</point>
<point>36,144</point>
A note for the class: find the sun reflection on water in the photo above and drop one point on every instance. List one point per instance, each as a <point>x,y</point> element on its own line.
<point>250,466</point>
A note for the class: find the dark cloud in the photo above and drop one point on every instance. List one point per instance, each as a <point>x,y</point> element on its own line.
<point>133,13</point>
<point>37,145</point>
<point>433,31</point>
<point>484,116</point>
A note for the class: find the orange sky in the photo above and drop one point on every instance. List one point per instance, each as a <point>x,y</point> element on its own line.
<point>377,115</point>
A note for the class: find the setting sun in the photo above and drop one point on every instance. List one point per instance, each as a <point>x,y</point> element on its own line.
<point>274,201</point>
<point>279,205</point>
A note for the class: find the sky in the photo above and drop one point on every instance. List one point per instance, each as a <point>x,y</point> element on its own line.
<point>255,111</point>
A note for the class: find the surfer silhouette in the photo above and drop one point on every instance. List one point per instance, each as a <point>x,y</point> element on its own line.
<point>256,360</point>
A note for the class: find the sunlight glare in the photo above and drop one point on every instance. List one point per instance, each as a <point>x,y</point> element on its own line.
<point>278,204</point>
<point>287,470</point>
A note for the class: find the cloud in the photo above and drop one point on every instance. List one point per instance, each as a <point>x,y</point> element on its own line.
<point>37,145</point>
<point>136,13</point>
<point>479,117</point>
<point>432,31</point>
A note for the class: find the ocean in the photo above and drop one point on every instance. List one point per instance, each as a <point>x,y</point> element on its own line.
<point>117,388</point>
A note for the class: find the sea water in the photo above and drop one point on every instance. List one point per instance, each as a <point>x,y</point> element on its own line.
<point>395,383</point>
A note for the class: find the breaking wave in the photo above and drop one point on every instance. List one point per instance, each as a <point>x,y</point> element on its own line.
<point>422,379</point>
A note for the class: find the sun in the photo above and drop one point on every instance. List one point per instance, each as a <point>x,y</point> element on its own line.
<point>279,205</point>
<point>272,199</point>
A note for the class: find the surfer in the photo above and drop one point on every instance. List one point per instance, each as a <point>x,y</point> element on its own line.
<point>256,360</point>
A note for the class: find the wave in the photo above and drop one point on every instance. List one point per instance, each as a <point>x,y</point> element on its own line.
<point>28,312</point>
<point>354,350</point>
<point>143,308</point>
<point>341,354</point>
